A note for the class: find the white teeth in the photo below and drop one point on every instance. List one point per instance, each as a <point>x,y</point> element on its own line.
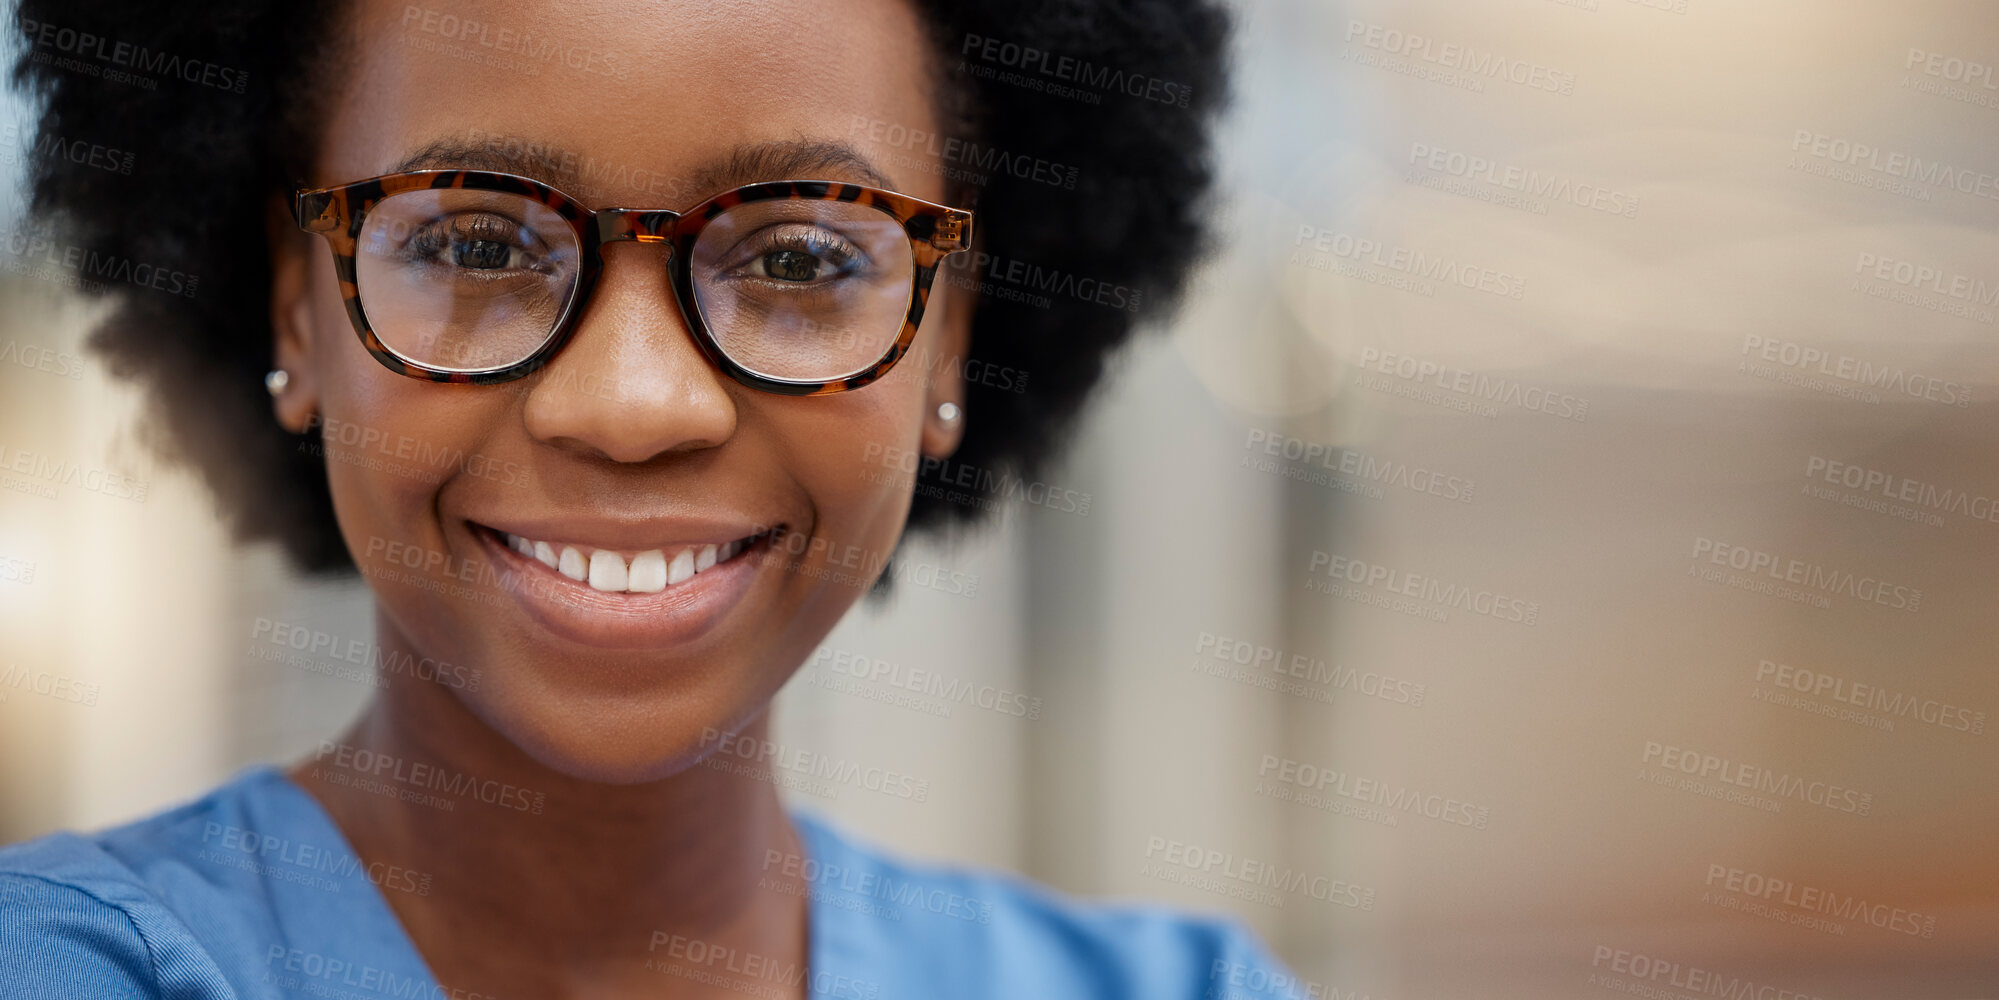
<point>572,565</point>
<point>648,574</point>
<point>682,569</point>
<point>607,571</point>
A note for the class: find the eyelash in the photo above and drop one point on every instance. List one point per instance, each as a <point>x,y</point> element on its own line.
<point>842,254</point>
<point>440,234</point>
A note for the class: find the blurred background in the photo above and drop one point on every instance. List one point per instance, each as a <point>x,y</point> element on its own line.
<point>1557,537</point>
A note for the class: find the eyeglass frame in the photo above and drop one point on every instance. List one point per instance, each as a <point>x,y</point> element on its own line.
<point>338,213</point>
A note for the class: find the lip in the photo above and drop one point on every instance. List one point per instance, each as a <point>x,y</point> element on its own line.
<point>572,610</point>
<point>628,537</point>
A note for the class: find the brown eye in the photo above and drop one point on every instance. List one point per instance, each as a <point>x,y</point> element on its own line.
<point>791,265</point>
<point>484,255</point>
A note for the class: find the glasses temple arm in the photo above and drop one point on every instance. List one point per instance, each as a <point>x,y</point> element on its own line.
<point>313,211</point>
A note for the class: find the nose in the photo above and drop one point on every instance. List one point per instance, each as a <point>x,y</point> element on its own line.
<point>631,384</point>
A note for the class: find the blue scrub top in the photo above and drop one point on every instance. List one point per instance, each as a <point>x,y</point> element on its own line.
<point>253,892</point>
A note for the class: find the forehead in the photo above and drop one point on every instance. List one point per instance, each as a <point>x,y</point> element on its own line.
<point>630,103</point>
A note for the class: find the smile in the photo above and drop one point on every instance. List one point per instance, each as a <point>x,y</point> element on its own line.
<point>644,572</point>
<point>624,590</point>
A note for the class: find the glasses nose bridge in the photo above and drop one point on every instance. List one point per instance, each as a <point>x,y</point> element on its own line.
<point>640,225</point>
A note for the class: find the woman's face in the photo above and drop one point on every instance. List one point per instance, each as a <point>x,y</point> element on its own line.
<point>629,441</point>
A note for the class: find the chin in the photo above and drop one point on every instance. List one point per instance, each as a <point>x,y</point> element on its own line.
<point>617,740</point>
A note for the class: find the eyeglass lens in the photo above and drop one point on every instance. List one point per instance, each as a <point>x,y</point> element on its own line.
<point>469,280</point>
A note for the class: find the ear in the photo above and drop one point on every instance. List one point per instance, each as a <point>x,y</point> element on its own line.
<point>945,383</point>
<point>291,317</point>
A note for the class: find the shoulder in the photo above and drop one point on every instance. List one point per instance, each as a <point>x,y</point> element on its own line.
<point>77,923</point>
<point>114,914</point>
<point>933,930</point>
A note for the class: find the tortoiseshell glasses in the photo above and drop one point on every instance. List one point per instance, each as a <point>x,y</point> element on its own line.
<point>793,287</point>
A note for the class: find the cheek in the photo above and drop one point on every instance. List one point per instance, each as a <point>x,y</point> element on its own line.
<point>364,422</point>
<point>859,453</point>
<point>390,444</point>
<point>856,454</point>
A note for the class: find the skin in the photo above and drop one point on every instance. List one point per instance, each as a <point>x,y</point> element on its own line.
<point>632,838</point>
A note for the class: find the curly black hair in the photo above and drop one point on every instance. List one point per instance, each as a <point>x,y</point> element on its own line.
<point>1116,96</point>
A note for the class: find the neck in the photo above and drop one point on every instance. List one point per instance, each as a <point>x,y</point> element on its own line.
<point>537,877</point>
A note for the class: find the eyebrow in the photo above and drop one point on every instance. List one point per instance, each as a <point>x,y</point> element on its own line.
<point>774,160</point>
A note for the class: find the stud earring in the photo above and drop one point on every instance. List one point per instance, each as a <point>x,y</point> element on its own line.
<point>276,380</point>
<point>948,412</point>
